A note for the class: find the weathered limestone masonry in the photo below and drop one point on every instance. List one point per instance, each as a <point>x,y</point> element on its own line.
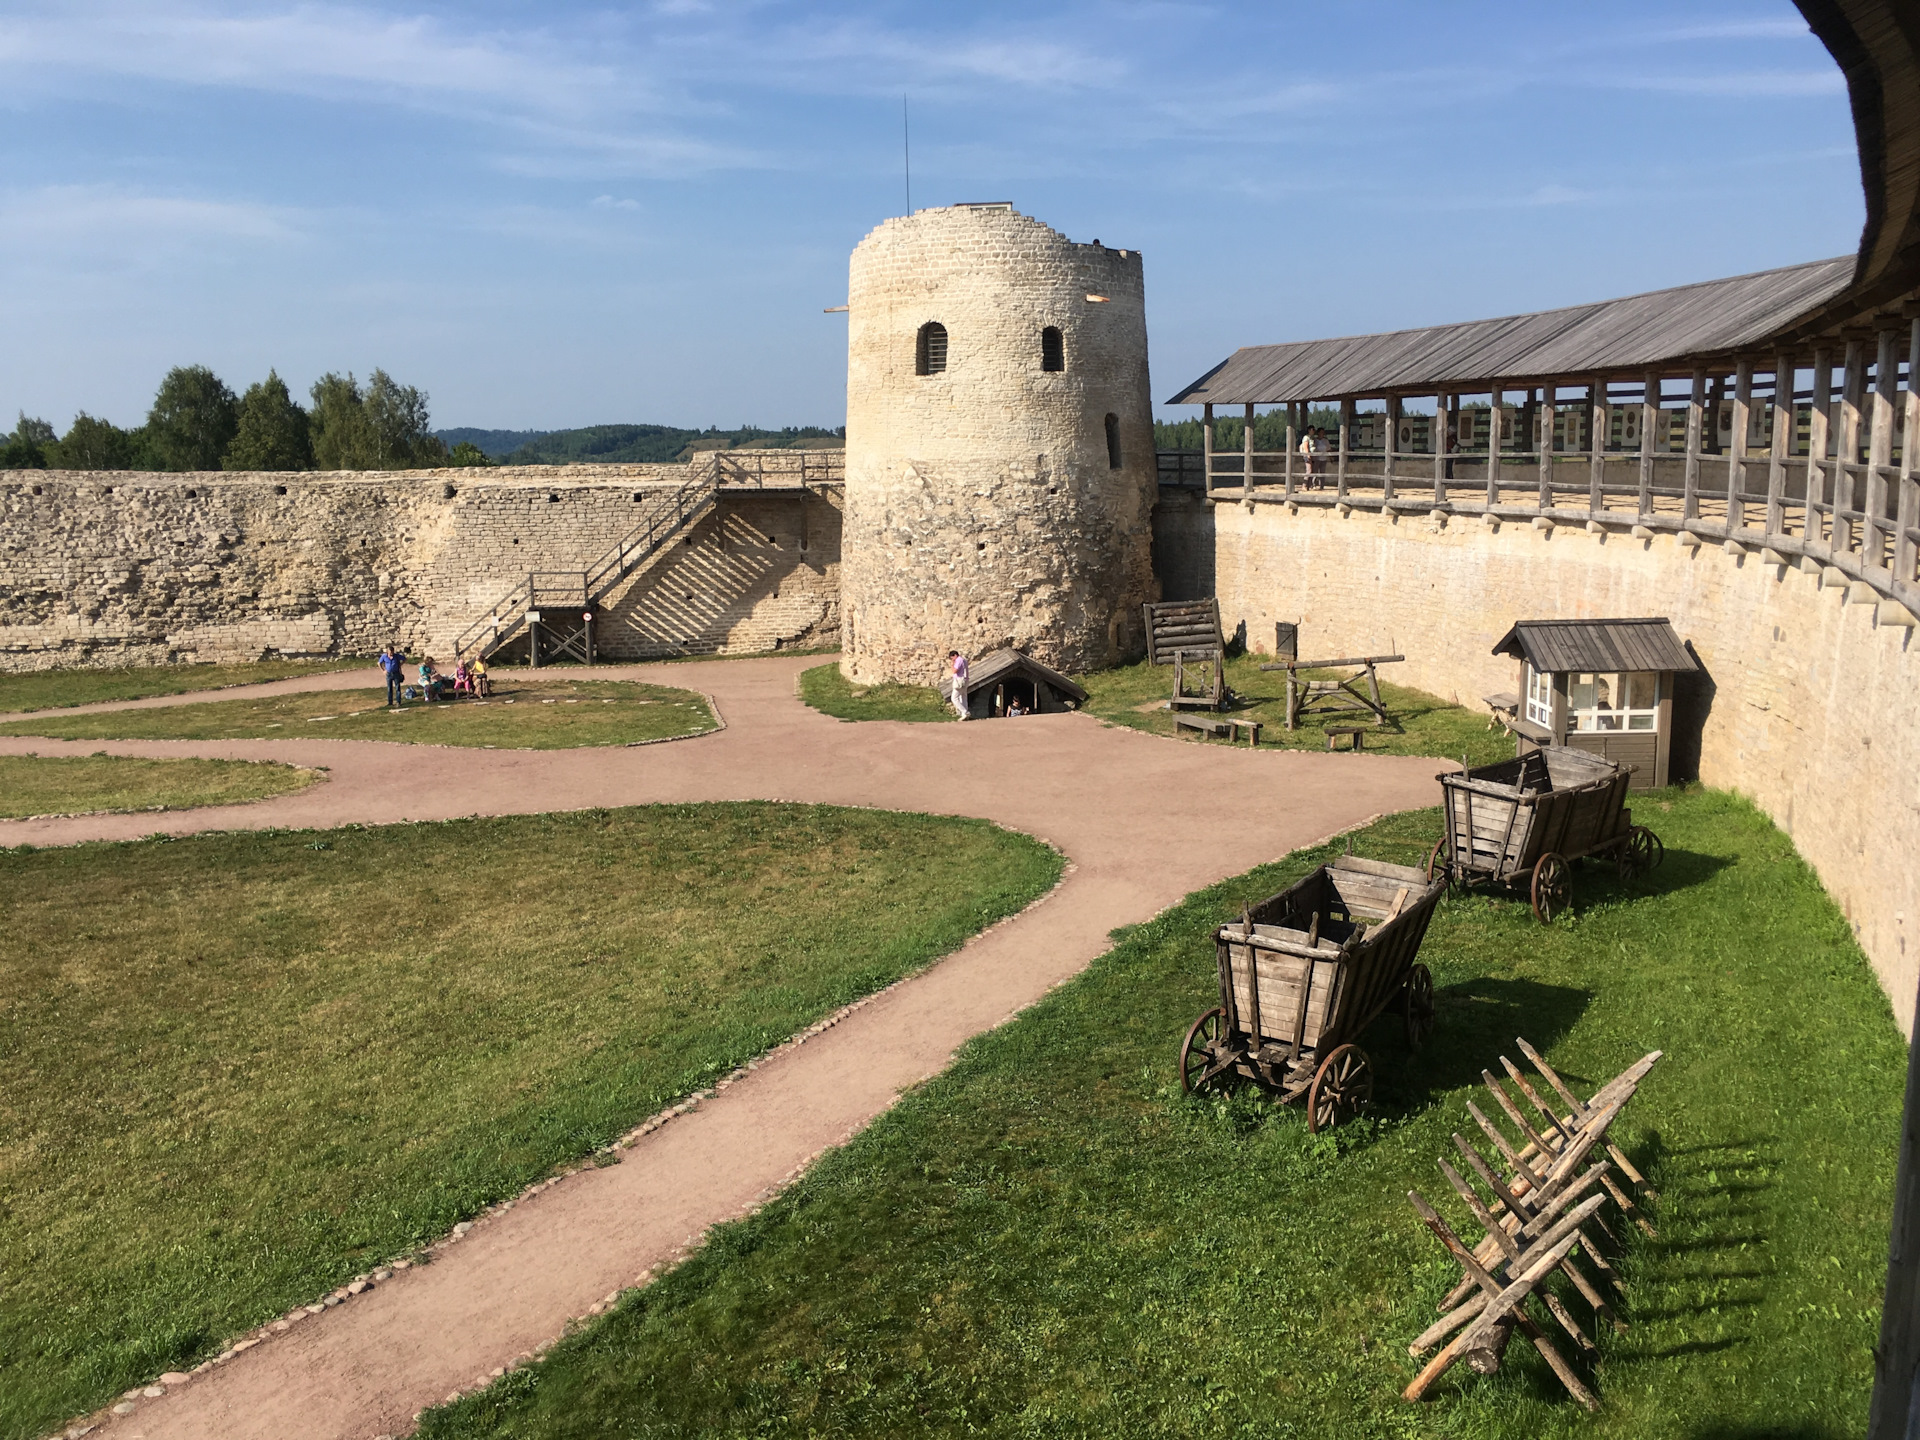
<point>1807,707</point>
<point>994,499</point>
<point>100,568</point>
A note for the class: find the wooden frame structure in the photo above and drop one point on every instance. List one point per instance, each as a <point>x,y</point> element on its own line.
<point>1307,696</point>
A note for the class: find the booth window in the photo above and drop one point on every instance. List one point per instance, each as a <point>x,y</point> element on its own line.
<point>930,349</point>
<point>1053,350</point>
<point>1540,698</point>
<point>1113,442</point>
<point>1629,701</point>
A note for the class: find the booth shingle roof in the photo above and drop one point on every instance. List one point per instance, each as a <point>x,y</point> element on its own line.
<point>1557,646</point>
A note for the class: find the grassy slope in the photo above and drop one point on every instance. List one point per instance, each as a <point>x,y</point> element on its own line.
<point>52,689</point>
<point>1049,1240</point>
<point>547,715</point>
<point>830,692</point>
<point>85,784</point>
<point>238,1069</point>
<point>1423,724</point>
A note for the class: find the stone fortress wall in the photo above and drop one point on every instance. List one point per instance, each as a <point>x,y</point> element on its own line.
<point>103,568</point>
<point>1805,707</point>
<point>983,504</point>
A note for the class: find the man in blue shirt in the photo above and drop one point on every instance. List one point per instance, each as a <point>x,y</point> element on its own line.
<point>394,662</point>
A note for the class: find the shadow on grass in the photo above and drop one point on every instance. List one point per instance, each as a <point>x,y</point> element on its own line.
<point>1476,1022</point>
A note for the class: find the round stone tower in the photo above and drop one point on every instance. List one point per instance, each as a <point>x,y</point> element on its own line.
<point>1000,465</point>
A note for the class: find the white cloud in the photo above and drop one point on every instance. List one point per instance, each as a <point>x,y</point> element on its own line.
<point>106,217</point>
<point>607,202</point>
<point>1741,84</point>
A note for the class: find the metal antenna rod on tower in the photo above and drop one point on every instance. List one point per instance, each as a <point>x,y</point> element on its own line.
<point>906,150</point>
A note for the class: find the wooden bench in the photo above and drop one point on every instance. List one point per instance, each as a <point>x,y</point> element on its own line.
<point>1505,708</point>
<point>1353,732</point>
<point>1230,729</point>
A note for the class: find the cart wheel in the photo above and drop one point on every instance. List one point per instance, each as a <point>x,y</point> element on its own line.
<point>1638,854</point>
<point>1343,1083</point>
<point>1203,1043</point>
<point>1656,852</point>
<point>1417,1007</point>
<point>1438,868</point>
<point>1552,890</point>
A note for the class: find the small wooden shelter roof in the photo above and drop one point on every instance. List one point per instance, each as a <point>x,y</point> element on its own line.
<point>1597,646</point>
<point>997,665</point>
<point>1652,331</point>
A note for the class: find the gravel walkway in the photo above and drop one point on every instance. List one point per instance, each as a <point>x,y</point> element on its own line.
<point>1143,820</point>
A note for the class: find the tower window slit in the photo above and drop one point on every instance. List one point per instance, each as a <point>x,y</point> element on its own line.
<point>930,349</point>
<point>1053,350</point>
<point>1113,442</point>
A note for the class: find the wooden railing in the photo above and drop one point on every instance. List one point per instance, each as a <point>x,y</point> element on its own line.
<point>1828,484</point>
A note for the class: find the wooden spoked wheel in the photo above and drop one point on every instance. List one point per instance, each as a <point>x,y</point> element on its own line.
<point>1437,868</point>
<point>1417,1006</point>
<point>1552,887</point>
<point>1201,1050</point>
<point>1341,1088</point>
<point>1647,846</point>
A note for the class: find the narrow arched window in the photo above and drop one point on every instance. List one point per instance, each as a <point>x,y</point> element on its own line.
<point>930,349</point>
<point>1053,350</point>
<point>1113,442</point>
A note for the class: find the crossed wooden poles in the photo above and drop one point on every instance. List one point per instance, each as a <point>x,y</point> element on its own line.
<point>1544,1192</point>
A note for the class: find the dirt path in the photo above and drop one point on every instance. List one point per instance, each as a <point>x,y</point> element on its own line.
<point>1144,821</point>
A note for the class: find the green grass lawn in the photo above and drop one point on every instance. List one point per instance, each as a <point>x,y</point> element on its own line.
<point>827,690</point>
<point>1050,1240</point>
<point>1423,724</point>
<point>523,715</point>
<point>87,784</point>
<point>53,689</point>
<point>238,1069</point>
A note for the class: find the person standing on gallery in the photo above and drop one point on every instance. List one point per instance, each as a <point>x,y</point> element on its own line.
<point>958,693</point>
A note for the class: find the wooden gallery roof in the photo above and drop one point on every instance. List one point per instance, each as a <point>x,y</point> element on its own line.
<point>1877,46</point>
<point>1651,331</point>
<point>1603,646</point>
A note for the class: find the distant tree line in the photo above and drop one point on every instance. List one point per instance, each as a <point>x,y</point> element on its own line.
<point>197,423</point>
<point>634,444</point>
<point>1269,430</point>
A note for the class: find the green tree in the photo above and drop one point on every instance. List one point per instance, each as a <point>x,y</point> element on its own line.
<point>467,453</point>
<point>272,432</point>
<point>380,427</point>
<point>92,444</point>
<point>192,420</point>
<point>26,447</point>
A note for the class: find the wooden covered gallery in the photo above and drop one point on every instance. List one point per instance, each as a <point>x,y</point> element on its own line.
<point>1766,412</point>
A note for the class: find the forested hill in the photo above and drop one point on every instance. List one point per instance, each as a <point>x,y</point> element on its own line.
<point>631,444</point>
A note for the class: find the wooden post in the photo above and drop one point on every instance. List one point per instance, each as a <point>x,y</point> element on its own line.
<point>1737,455</point>
<point>1543,430</point>
<point>1293,442</point>
<point>1393,442</point>
<point>1599,424</point>
<point>1895,1410</point>
<point>1779,443</point>
<point>1649,418</point>
<point>1846,489</point>
<point>1819,429</point>
<point>1442,434</point>
<point>1873,530</point>
<point>1246,455</point>
<point>1909,505</point>
<point>1494,400</point>
<point>1206,450</point>
<point>1696,412</point>
<point>1346,441</point>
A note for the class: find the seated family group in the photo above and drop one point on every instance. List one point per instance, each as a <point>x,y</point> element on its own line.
<point>469,678</point>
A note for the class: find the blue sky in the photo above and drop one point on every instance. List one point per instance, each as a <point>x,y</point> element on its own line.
<point>558,214</point>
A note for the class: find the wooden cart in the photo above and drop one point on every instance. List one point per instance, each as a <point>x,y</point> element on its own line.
<point>1303,974</point>
<point>1522,821</point>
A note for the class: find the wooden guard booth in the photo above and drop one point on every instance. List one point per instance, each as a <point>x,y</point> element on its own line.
<point>1602,686</point>
<point>1002,676</point>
